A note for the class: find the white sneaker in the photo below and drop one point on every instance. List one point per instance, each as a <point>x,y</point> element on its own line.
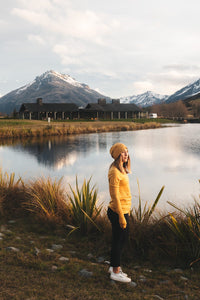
<point>110,270</point>
<point>119,277</point>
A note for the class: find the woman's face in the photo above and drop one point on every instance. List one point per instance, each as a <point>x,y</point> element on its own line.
<point>124,156</point>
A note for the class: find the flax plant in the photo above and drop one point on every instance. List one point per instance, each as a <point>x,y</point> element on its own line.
<point>142,228</point>
<point>142,215</point>
<point>84,210</point>
<point>46,199</point>
<point>186,228</point>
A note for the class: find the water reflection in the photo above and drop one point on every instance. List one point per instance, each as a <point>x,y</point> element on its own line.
<point>166,156</point>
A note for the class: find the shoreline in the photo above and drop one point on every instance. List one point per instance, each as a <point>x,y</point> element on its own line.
<point>22,129</point>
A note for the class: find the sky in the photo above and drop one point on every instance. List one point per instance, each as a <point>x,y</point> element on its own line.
<point>117,47</point>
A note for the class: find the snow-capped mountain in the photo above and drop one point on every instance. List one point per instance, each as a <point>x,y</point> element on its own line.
<point>53,87</point>
<point>188,91</point>
<point>146,99</point>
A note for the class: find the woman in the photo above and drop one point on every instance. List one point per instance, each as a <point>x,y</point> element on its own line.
<point>119,207</point>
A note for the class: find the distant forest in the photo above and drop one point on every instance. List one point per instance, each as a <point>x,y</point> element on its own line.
<point>179,109</point>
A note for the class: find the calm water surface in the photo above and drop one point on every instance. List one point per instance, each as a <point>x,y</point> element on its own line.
<point>167,156</point>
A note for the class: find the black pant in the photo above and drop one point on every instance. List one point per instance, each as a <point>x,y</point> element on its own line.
<point>119,237</point>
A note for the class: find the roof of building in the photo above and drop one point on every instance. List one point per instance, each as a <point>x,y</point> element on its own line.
<point>48,107</point>
<point>112,107</point>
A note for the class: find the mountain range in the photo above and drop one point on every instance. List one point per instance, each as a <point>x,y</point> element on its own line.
<point>54,87</point>
<point>149,98</point>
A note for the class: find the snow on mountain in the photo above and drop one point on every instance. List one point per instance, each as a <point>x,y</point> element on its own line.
<point>186,92</point>
<point>48,77</point>
<point>146,99</point>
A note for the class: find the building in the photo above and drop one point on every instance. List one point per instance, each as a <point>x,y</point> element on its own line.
<point>41,111</point>
<point>110,111</point>
<point>62,111</point>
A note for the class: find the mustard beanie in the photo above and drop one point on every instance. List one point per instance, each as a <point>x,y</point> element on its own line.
<point>117,149</point>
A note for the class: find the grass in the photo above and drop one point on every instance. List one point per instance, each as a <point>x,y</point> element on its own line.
<point>34,128</point>
<point>158,247</point>
<point>46,200</point>
<point>41,275</point>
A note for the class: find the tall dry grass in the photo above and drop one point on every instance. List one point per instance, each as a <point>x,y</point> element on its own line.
<point>185,225</point>
<point>46,200</point>
<point>172,238</point>
<point>19,129</point>
<point>11,194</point>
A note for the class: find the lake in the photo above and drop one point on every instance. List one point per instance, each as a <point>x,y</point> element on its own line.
<point>167,156</point>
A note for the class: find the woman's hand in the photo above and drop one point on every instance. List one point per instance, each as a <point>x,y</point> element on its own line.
<point>122,221</point>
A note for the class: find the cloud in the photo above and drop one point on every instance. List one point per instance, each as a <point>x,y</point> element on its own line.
<point>65,21</point>
<point>182,67</point>
<point>121,48</point>
<point>36,39</point>
<point>140,86</point>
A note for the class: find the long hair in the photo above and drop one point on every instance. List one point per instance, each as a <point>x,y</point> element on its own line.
<point>122,167</point>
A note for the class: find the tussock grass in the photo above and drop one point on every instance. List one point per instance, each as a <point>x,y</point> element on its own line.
<point>172,238</point>
<point>158,244</point>
<point>46,200</point>
<point>186,227</point>
<point>11,194</point>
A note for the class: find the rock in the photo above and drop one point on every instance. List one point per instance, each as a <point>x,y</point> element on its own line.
<point>56,247</point>
<point>164,282</point>
<point>142,278</point>
<point>54,268</point>
<point>12,249</point>
<point>148,270</point>
<point>158,297</point>
<point>112,282</point>
<point>37,251</point>
<point>72,252</point>
<point>1,235</point>
<point>133,284</point>
<point>64,259</point>
<point>3,228</point>
<point>85,273</point>
<point>11,221</point>
<point>183,278</point>
<point>50,250</point>
<point>100,259</point>
<point>90,256</point>
<point>136,267</point>
<point>178,270</point>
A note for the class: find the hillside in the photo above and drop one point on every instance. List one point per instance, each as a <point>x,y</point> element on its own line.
<point>53,87</point>
<point>186,92</point>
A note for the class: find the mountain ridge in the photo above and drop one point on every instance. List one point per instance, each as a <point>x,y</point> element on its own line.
<point>53,87</point>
